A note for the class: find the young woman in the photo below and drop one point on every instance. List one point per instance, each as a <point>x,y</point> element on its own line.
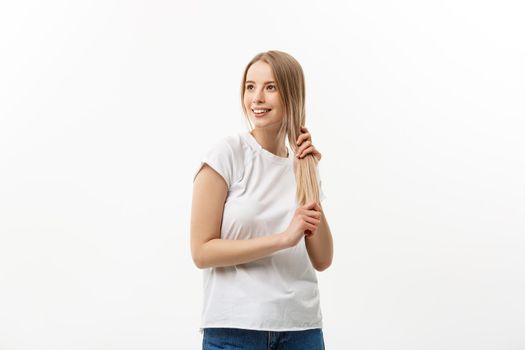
<point>257,226</point>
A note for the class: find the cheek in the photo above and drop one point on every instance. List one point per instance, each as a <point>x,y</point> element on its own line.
<point>276,102</point>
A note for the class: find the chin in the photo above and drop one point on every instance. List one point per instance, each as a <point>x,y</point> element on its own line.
<point>257,121</point>
<point>268,126</point>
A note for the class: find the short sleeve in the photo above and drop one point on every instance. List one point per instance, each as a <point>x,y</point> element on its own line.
<point>221,158</point>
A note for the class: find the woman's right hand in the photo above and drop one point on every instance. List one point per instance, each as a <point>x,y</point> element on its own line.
<point>304,222</point>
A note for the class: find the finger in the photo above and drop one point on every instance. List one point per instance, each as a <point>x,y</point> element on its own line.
<point>304,147</point>
<point>302,138</point>
<point>306,151</point>
<point>311,227</point>
<point>313,213</point>
<point>300,149</point>
<point>306,143</point>
<point>299,139</point>
<point>309,205</point>
<point>312,220</point>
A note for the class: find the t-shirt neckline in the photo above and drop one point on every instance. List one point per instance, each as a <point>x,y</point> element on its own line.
<point>265,153</point>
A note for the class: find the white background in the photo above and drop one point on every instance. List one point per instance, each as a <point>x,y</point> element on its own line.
<point>417,108</point>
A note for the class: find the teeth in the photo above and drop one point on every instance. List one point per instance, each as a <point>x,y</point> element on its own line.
<point>260,110</point>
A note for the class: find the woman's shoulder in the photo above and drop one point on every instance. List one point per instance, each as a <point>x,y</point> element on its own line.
<point>230,145</point>
<point>228,155</point>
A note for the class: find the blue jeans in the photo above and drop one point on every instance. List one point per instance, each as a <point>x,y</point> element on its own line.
<point>236,338</point>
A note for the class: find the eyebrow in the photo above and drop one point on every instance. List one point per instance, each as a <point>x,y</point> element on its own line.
<point>268,82</point>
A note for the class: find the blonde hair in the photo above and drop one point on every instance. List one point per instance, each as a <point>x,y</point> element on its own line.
<point>289,79</point>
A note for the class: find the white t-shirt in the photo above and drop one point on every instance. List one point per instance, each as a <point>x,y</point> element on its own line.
<point>278,292</point>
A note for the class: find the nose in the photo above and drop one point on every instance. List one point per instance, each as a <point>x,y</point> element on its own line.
<point>258,96</point>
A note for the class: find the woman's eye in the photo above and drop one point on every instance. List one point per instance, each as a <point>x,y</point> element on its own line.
<point>272,86</point>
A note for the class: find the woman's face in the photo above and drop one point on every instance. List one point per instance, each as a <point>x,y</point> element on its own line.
<point>260,93</point>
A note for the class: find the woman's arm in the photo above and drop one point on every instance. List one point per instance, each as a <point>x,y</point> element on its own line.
<point>320,246</point>
<point>207,248</point>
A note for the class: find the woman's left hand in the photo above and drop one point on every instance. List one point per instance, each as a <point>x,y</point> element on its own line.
<point>304,141</point>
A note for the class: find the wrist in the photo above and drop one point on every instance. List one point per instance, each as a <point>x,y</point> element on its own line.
<point>282,240</point>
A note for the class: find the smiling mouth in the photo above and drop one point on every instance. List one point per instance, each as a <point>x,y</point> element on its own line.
<point>260,112</point>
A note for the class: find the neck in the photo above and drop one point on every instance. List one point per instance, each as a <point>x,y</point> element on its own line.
<point>267,138</point>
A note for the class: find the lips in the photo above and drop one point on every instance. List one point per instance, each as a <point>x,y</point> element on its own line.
<point>262,113</point>
<point>261,109</point>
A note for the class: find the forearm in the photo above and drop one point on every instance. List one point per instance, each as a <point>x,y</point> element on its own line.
<point>227,252</point>
<point>320,246</point>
